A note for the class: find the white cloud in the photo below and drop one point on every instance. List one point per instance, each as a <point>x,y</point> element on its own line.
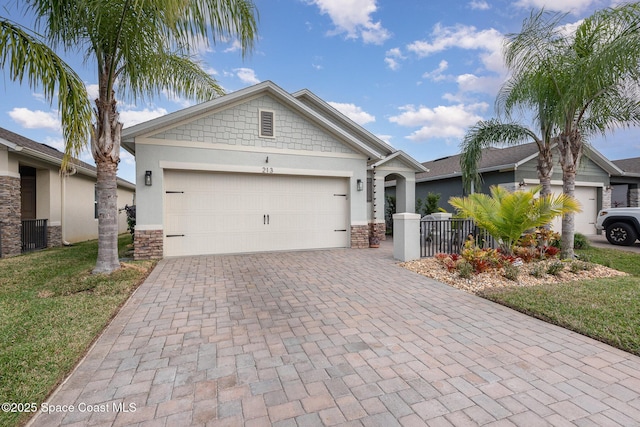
<point>55,142</point>
<point>93,91</point>
<point>436,75</point>
<point>36,119</point>
<point>482,84</point>
<point>235,47</point>
<point>133,117</point>
<point>174,97</point>
<point>354,18</point>
<point>385,138</point>
<point>439,122</point>
<point>210,70</point>
<point>392,63</point>
<point>247,75</point>
<point>488,44</point>
<point>459,36</point>
<point>354,112</point>
<point>479,5</point>
<point>573,6</point>
<point>392,56</point>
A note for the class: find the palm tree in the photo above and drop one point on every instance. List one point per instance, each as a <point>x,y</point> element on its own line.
<point>488,133</point>
<point>519,92</point>
<point>140,48</point>
<point>589,80</point>
<point>507,215</point>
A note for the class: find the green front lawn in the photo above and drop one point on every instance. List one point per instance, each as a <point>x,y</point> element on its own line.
<point>51,310</point>
<point>607,310</point>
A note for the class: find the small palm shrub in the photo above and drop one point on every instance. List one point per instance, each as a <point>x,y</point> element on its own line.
<point>507,215</point>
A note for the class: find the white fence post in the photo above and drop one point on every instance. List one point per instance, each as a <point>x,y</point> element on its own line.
<point>406,236</point>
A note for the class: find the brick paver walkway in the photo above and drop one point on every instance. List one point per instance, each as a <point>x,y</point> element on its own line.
<point>340,337</point>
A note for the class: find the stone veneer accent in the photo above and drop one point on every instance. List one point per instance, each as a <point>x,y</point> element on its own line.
<point>606,198</point>
<point>147,244</point>
<point>359,236</point>
<point>634,196</point>
<point>10,224</point>
<point>378,229</point>
<point>54,236</point>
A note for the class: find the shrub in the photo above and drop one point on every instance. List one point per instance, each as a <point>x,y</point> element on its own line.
<point>481,259</point>
<point>448,260</point>
<point>578,266</point>
<point>527,254</point>
<point>538,271</point>
<point>131,218</point>
<point>465,269</point>
<point>580,241</point>
<point>511,271</point>
<point>555,268</point>
<point>550,251</point>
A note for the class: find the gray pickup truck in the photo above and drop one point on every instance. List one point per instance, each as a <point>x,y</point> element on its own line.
<point>621,225</point>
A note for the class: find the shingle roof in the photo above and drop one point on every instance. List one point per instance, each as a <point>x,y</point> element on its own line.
<point>628,165</point>
<point>48,151</point>
<point>491,158</point>
<point>41,148</point>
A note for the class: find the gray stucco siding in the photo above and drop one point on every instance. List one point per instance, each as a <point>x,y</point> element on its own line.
<point>588,170</point>
<point>238,125</point>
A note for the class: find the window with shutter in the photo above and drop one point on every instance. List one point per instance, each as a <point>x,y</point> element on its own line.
<point>266,123</point>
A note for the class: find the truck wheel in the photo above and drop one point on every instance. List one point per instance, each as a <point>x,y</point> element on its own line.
<point>621,234</point>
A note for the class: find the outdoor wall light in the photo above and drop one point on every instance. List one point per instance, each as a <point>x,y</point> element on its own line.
<point>359,185</point>
<point>147,178</point>
<point>522,184</point>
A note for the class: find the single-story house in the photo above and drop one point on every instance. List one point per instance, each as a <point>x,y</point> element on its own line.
<point>261,169</point>
<point>625,184</point>
<point>39,206</point>
<point>515,167</point>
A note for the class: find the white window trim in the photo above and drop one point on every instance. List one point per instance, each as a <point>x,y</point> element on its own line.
<point>273,114</point>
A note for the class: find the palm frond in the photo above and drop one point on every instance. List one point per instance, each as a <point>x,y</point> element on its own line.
<point>27,58</point>
<point>486,134</point>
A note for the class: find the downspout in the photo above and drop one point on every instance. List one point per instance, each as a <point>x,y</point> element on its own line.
<point>63,197</point>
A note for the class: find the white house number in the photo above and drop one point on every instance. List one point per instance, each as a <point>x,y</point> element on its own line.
<point>267,170</point>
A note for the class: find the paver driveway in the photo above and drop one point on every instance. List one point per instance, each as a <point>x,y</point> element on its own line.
<point>336,337</point>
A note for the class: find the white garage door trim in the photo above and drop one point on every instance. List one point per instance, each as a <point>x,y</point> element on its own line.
<point>585,220</point>
<point>266,169</point>
<point>214,212</point>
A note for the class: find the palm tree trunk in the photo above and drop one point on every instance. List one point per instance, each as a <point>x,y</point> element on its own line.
<point>545,165</point>
<point>105,147</point>
<point>570,147</point>
<point>568,220</point>
<point>107,190</point>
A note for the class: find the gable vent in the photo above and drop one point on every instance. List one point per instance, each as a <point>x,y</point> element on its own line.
<point>266,123</point>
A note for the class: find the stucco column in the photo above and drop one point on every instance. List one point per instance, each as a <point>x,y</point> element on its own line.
<point>406,236</point>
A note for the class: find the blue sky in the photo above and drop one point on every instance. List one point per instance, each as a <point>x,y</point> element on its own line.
<point>416,73</point>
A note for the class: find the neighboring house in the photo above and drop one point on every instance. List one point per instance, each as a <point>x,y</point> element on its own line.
<point>624,185</point>
<point>516,168</point>
<point>39,206</point>
<point>261,170</point>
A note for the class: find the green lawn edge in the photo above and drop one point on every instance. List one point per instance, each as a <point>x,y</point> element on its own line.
<point>52,309</point>
<point>607,309</point>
